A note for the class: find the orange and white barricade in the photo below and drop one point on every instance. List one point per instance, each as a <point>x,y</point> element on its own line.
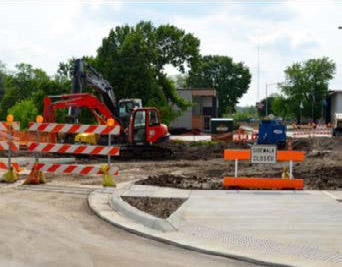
<point>265,183</point>
<point>38,168</point>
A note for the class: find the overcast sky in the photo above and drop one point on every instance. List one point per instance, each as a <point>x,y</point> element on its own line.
<point>44,33</point>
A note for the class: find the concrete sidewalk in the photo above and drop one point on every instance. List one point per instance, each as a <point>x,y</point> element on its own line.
<point>299,228</point>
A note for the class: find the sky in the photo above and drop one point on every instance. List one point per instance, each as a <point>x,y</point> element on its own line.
<point>44,33</point>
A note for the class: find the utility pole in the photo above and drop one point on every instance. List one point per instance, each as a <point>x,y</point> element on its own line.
<point>258,74</point>
<point>266,99</point>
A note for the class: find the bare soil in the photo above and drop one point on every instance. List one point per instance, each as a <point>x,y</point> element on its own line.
<point>158,207</point>
<point>201,166</point>
<point>322,168</point>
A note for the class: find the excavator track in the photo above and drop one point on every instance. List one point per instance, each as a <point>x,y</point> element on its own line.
<point>145,152</point>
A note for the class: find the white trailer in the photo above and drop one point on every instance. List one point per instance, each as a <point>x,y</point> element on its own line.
<point>337,124</point>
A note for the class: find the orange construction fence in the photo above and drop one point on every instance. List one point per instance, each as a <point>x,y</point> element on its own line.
<point>25,137</point>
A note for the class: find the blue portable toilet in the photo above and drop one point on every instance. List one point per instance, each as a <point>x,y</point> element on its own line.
<point>272,132</point>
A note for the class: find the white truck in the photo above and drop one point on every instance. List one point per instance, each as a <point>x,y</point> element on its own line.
<point>337,124</point>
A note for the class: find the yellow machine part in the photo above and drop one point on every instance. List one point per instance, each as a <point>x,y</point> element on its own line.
<point>89,138</point>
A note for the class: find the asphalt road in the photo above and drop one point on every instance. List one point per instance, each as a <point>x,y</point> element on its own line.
<point>55,229</point>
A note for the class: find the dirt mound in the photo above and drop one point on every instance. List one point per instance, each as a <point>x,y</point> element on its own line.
<point>318,143</point>
<point>202,150</point>
<point>182,181</point>
<point>320,170</point>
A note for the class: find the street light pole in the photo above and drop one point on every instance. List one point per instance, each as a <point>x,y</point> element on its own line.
<point>266,100</point>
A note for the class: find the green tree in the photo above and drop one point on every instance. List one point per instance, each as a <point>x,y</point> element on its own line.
<point>180,80</point>
<point>133,60</point>
<point>280,107</point>
<point>28,82</point>
<point>230,79</point>
<point>24,111</point>
<point>307,84</point>
<point>2,79</point>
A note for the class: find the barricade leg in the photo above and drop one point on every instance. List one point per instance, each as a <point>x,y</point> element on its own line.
<point>108,179</point>
<point>36,176</point>
<point>236,167</point>
<point>11,176</point>
<point>291,169</point>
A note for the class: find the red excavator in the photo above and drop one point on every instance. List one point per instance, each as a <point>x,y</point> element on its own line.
<point>141,129</point>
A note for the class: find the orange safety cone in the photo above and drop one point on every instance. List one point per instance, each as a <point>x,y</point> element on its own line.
<point>35,177</point>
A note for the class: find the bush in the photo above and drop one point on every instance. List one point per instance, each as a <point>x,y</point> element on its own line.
<point>24,111</point>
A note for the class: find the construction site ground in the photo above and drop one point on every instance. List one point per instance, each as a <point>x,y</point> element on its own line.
<point>194,166</point>
<point>201,166</point>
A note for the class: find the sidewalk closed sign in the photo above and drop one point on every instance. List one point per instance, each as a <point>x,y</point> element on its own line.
<point>264,154</point>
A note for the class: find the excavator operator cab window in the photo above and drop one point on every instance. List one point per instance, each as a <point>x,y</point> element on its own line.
<point>153,119</point>
<point>140,126</point>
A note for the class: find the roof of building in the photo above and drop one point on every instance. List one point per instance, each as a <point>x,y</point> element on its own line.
<point>201,92</point>
<point>332,92</point>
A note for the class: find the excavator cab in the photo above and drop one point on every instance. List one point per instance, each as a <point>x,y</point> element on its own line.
<point>125,108</point>
<point>145,127</point>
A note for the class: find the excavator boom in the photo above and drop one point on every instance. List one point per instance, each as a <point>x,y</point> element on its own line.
<point>100,110</point>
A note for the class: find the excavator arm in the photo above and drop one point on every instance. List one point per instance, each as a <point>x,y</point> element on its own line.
<point>97,108</point>
<point>86,75</point>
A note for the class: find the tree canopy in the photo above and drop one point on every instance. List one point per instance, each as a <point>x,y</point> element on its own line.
<point>133,59</point>
<point>29,83</point>
<point>230,79</point>
<point>306,84</point>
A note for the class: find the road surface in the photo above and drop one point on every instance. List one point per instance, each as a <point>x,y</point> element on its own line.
<point>40,228</point>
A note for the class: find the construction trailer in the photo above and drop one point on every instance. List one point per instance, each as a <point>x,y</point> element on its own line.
<point>333,105</point>
<point>204,108</point>
<point>334,111</point>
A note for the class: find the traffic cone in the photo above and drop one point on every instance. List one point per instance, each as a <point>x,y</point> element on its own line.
<point>108,179</point>
<point>10,177</point>
<point>36,176</point>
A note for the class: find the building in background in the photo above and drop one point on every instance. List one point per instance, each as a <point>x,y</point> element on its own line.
<point>205,107</point>
<point>334,105</point>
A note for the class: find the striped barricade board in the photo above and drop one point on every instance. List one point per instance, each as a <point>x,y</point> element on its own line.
<point>4,126</point>
<point>70,168</point>
<point>74,128</point>
<point>3,165</point>
<point>75,149</point>
<point>14,145</point>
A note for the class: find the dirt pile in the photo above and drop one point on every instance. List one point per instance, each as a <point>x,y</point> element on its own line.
<point>158,207</point>
<point>183,181</point>
<point>202,150</point>
<point>318,144</point>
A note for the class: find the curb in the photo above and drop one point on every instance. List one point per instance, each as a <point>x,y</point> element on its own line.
<point>134,214</point>
<point>177,243</point>
<point>338,199</point>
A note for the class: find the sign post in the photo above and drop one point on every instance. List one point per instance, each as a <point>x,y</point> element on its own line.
<point>10,119</point>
